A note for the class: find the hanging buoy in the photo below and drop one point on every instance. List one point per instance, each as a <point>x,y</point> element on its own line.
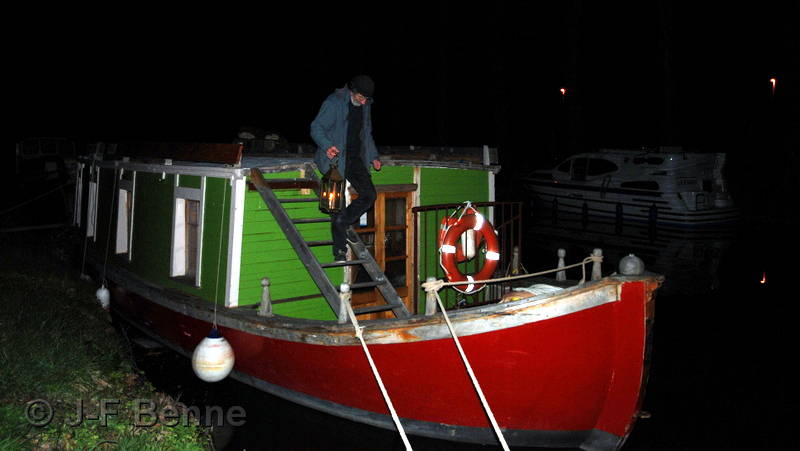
<point>213,357</point>
<point>103,297</point>
<point>631,265</point>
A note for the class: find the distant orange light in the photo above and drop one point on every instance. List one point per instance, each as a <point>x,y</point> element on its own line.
<point>774,82</point>
<point>764,278</point>
<point>563,91</point>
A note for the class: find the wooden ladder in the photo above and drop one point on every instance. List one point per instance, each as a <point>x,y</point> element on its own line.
<point>303,248</point>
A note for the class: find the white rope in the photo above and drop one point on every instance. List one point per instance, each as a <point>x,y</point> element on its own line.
<point>472,376</point>
<point>219,251</point>
<point>434,286</point>
<point>346,300</point>
<point>114,198</point>
<point>90,216</point>
<point>33,199</point>
<point>437,284</point>
<point>461,210</point>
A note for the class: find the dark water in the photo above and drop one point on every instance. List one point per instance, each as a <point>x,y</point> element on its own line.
<point>722,376</point>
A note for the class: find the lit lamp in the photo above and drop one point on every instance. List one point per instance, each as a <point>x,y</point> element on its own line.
<point>331,194</point>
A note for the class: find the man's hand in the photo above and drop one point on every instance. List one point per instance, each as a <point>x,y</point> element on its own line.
<point>377,164</point>
<point>332,152</point>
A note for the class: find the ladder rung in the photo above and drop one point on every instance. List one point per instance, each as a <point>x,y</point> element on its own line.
<point>310,220</point>
<point>365,284</point>
<point>373,309</point>
<point>319,243</point>
<point>296,200</point>
<point>297,183</point>
<point>346,263</point>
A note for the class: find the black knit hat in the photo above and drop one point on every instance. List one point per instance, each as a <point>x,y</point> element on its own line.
<point>363,85</point>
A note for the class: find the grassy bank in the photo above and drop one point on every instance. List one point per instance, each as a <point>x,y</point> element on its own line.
<point>62,361</point>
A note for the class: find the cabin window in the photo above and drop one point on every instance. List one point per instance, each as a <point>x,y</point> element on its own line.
<point>598,166</point>
<point>648,160</point>
<point>579,169</point>
<point>124,217</point>
<point>187,233</point>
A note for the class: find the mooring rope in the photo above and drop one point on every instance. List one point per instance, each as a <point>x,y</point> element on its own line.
<point>219,251</point>
<point>437,284</point>
<point>345,298</point>
<point>33,199</point>
<point>114,197</point>
<point>90,216</point>
<point>474,379</point>
<point>434,287</point>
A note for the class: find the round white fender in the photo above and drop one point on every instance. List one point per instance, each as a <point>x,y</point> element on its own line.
<point>213,358</point>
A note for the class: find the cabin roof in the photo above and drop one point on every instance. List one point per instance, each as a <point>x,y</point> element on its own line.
<point>235,158</point>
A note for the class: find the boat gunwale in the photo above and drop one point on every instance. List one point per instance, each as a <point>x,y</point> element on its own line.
<point>384,331</point>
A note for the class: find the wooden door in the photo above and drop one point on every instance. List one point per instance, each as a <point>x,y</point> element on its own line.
<point>387,231</point>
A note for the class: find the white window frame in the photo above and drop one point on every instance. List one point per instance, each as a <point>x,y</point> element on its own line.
<point>124,235</point>
<point>178,252</point>
<point>235,227</point>
<point>77,203</point>
<point>93,200</point>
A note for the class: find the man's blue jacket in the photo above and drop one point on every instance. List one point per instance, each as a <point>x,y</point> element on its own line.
<point>329,128</point>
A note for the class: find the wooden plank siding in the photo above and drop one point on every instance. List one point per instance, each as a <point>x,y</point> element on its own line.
<point>267,253</point>
<point>445,186</point>
<point>151,243</point>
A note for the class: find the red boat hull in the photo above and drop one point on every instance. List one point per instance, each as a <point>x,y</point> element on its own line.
<point>570,380</point>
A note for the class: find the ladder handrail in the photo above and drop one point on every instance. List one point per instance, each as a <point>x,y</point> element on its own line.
<point>309,260</point>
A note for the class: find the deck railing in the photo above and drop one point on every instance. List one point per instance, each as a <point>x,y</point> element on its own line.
<point>506,218</point>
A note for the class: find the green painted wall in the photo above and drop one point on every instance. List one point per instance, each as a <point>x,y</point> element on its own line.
<point>392,175</point>
<point>267,253</point>
<point>446,186</point>
<point>152,231</point>
<point>265,250</point>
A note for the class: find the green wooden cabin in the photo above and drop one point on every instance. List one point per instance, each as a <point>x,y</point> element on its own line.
<point>188,218</point>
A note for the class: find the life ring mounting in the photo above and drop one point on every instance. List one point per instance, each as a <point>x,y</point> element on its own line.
<point>449,256</point>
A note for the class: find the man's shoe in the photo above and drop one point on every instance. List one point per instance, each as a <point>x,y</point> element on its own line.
<point>340,256</point>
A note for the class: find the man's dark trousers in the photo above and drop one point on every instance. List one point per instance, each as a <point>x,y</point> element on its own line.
<point>360,180</point>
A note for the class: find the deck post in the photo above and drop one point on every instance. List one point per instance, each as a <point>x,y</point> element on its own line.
<point>344,301</point>
<point>561,275</point>
<point>596,270</point>
<point>585,212</point>
<point>652,215</point>
<point>515,267</point>
<point>430,299</point>
<point>265,308</point>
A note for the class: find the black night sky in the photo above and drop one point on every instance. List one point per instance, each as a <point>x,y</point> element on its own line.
<point>636,73</point>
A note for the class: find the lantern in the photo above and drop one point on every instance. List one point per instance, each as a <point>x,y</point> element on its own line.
<point>331,193</point>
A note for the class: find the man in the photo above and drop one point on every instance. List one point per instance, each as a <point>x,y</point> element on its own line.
<point>342,131</point>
